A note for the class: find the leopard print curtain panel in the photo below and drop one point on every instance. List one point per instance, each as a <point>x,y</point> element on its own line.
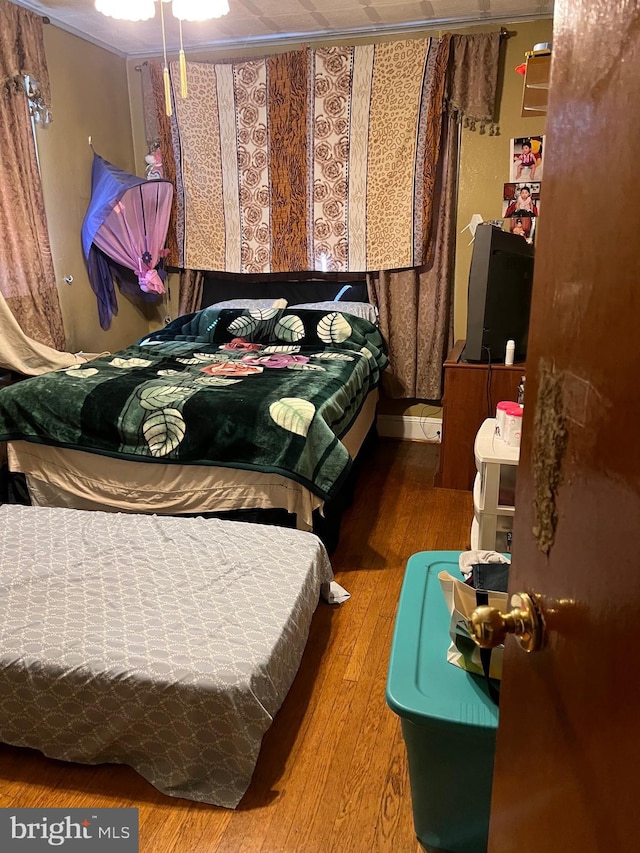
<point>416,305</point>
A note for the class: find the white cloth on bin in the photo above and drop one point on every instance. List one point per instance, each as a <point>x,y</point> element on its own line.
<point>468,559</point>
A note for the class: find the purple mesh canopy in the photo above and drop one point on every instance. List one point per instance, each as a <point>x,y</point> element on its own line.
<point>126,223</point>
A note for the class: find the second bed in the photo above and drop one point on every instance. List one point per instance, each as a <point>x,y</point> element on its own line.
<point>165,644</point>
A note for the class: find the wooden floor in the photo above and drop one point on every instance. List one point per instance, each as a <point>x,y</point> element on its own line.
<point>332,772</point>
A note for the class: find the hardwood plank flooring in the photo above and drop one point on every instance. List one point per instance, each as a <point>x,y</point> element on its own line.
<point>332,774</point>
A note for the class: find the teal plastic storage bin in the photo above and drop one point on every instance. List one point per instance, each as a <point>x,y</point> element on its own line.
<point>448,718</point>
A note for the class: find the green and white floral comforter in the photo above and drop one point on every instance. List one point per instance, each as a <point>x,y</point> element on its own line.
<point>264,390</point>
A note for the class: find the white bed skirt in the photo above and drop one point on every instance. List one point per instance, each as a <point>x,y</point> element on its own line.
<point>76,479</point>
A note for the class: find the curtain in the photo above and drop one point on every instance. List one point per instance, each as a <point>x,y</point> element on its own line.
<point>473,79</point>
<point>191,283</point>
<point>312,160</point>
<point>165,147</point>
<point>151,129</point>
<point>416,305</point>
<point>27,278</point>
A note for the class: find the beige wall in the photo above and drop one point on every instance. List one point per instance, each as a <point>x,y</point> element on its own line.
<point>89,98</point>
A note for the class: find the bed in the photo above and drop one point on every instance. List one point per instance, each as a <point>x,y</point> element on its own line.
<point>167,644</point>
<point>223,409</point>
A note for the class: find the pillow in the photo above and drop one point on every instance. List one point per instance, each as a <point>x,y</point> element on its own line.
<point>359,309</point>
<point>215,325</point>
<point>199,327</point>
<point>251,304</point>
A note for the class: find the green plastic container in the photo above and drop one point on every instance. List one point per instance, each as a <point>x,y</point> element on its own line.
<point>448,718</point>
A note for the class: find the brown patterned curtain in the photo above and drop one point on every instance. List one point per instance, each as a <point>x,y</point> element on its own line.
<point>165,142</point>
<point>27,278</point>
<point>473,79</point>
<point>416,305</point>
<point>191,283</point>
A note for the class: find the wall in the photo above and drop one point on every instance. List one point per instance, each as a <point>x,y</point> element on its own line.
<point>89,98</point>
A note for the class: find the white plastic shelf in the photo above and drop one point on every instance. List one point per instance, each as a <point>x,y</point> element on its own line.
<point>489,447</point>
<point>497,463</point>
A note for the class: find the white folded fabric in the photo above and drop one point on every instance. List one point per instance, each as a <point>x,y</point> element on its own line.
<point>333,593</point>
<point>469,558</point>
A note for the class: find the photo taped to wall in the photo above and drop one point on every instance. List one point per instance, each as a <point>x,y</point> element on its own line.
<point>526,159</point>
<point>521,199</point>
<point>524,226</point>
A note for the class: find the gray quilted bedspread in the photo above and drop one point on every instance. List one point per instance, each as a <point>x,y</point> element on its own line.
<point>167,644</point>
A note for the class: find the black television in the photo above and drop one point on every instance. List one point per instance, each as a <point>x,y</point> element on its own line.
<point>499,295</point>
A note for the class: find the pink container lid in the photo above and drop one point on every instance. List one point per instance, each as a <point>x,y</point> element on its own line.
<point>504,405</point>
<point>515,410</point>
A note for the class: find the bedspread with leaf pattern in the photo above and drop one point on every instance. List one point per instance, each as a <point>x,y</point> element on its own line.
<point>265,390</point>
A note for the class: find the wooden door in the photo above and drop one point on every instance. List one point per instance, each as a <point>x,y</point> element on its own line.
<point>568,746</point>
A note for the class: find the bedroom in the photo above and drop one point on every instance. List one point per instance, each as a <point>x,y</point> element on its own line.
<point>73,65</point>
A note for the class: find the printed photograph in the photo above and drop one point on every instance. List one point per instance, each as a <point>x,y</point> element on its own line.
<point>523,226</point>
<point>519,199</point>
<point>526,159</point>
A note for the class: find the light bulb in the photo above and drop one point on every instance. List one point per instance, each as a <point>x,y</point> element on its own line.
<point>199,10</point>
<point>127,10</point>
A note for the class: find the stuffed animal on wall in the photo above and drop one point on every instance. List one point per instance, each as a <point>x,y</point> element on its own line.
<point>154,164</point>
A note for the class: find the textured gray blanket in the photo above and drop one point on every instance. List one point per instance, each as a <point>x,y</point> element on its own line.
<point>165,644</point>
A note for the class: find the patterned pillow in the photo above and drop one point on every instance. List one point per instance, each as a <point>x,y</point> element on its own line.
<point>251,304</point>
<point>215,325</point>
<point>358,309</point>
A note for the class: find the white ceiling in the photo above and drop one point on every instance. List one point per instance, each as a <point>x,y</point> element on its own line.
<point>252,22</point>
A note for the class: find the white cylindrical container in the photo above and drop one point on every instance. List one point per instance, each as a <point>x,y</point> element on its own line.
<point>501,417</point>
<point>510,352</point>
<point>513,425</point>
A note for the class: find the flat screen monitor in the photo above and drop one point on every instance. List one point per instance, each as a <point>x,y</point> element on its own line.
<point>499,295</point>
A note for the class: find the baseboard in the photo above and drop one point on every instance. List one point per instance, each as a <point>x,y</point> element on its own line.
<point>410,428</point>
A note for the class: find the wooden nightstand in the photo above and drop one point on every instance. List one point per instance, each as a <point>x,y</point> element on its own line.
<point>471,394</point>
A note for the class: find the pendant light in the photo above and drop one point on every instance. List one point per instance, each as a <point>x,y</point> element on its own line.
<point>183,10</point>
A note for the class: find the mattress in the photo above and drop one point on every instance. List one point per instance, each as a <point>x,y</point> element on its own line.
<point>77,479</point>
<point>166,644</point>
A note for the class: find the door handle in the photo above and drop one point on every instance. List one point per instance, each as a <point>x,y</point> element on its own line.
<point>489,627</point>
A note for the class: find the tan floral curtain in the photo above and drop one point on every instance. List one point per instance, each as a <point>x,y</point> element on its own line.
<point>416,305</point>
<point>27,278</point>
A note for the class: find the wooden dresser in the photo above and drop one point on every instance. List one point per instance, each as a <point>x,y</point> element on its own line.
<point>471,394</point>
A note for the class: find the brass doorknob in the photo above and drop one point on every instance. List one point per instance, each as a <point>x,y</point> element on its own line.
<point>489,627</point>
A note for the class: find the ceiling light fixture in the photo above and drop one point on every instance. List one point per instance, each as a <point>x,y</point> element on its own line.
<point>183,10</point>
